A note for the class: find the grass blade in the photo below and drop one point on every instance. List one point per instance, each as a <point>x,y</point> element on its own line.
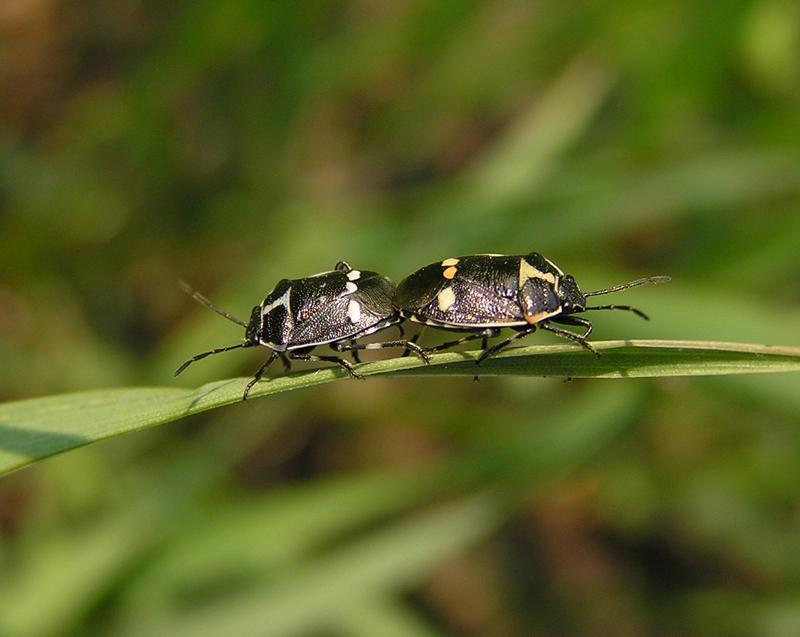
<point>37,428</point>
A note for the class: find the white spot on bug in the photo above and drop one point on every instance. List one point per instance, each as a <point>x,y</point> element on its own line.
<point>354,311</point>
<point>350,287</point>
<point>445,299</point>
<point>354,275</point>
<point>450,261</point>
<point>374,346</point>
<point>527,271</point>
<point>282,300</point>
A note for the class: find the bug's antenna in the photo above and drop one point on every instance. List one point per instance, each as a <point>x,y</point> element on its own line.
<point>204,301</point>
<point>631,284</point>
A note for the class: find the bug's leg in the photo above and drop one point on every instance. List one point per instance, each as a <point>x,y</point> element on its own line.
<point>575,320</point>
<point>257,376</point>
<point>400,329</point>
<point>199,357</point>
<point>287,365</point>
<point>407,344</point>
<point>413,340</point>
<point>304,356</point>
<point>580,339</point>
<point>627,308</point>
<point>487,333</point>
<point>491,351</point>
<point>353,351</point>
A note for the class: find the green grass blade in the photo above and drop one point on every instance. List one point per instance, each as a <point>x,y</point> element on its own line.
<point>34,429</point>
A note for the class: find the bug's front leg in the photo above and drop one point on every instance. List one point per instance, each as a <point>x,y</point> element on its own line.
<point>575,320</point>
<point>257,376</point>
<point>580,339</point>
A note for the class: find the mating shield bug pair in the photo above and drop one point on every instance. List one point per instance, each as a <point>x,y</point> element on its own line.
<point>478,295</point>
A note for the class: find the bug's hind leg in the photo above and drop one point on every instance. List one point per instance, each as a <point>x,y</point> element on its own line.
<point>407,344</point>
<point>413,340</point>
<point>305,356</point>
<point>580,339</point>
<point>257,376</point>
<point>487,333</point>
<point>352,349</point>
<point>491,351</point>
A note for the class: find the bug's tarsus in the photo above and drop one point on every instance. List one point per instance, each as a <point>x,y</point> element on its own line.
<point>198,357</point>
<point>259,373</point>
<point>204,301</point>
<point>631,284</point>
<point>627,308</point>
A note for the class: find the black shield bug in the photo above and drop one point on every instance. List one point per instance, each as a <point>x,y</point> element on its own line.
<point>331,308</point>
<point>481,294</point>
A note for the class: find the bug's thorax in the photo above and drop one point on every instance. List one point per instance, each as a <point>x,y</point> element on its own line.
<point>275,317</point>
<point>543,290</point>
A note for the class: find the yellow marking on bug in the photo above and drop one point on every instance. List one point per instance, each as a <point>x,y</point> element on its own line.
<point>450,272</point>
<point>527,271</point>
<point>445,299</point>
<point>450,261</point>
<point>540,316</point>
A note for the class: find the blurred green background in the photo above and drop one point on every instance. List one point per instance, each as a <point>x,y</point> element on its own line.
<point>235,143</point>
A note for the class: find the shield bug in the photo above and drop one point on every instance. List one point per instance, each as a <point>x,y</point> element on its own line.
<point>332,308</point>
<point>481,294</point>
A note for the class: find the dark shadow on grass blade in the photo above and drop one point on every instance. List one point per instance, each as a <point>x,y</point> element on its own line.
<point>29,443</point>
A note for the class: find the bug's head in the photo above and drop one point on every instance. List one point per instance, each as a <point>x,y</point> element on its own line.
<point>572,299</point>
<point>253,329</point>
